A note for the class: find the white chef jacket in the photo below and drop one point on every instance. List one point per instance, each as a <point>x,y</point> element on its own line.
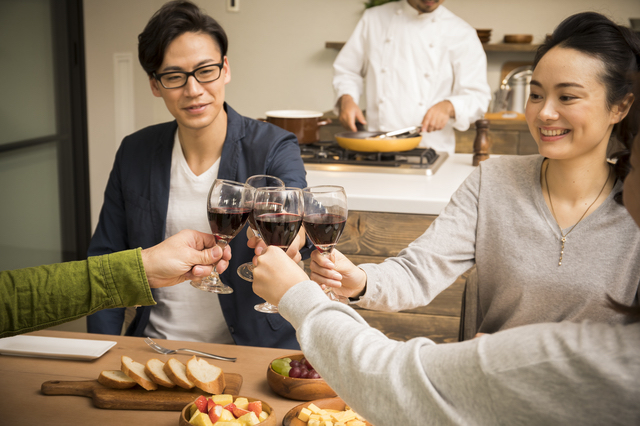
<point>411,62</point>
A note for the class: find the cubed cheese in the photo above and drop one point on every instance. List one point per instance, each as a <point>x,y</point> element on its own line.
<point>314,409</point>
<point>304,414</point>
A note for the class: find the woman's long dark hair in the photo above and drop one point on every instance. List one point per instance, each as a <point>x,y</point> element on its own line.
<point>634,123</point>
<point>619,50</point>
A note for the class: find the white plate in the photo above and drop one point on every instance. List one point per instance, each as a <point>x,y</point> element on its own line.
<point>54,347</point>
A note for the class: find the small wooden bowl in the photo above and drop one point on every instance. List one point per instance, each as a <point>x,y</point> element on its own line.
<point>298,389</point>
<point>269,421</point>
<point>291,418</point>
<point>518,38</point>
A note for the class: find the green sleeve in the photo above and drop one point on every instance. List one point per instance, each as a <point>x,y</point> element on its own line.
<point>44,296</point>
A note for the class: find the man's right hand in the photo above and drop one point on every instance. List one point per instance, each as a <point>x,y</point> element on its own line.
<point>349,113</point>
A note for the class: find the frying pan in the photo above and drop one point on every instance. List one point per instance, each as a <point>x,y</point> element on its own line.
<point>364,141</point>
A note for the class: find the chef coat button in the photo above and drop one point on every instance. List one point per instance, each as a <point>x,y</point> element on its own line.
<point>399,12</point>
<point>426,75</point>
<point>388,40</point>
<point>430,44</point>
<point>420,103</point>
<point>383,70</point>
<point>381,101</point>
<point>232,330</point>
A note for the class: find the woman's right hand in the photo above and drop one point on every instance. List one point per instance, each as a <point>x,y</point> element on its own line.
<point>337,272</point>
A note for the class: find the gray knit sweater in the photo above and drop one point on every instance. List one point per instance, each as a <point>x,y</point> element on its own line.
<point>499,220</point>
<point>541,374</point>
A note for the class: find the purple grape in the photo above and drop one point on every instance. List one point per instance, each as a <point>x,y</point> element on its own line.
<point>313,374</point>
<point>295,372</point>
<point>295,363</point>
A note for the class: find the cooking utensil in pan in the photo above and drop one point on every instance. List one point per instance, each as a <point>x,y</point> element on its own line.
<point>364,141</point>
<point>407,130</point>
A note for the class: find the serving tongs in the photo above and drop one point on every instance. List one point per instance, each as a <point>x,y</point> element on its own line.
<point>404,133</point>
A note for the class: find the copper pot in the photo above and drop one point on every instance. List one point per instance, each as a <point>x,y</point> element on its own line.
<point>304,124</point>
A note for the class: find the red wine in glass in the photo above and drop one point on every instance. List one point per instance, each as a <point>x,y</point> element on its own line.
<point>325,215</point>
<point>229,205</point>
<point>324,229</point>
<point>226,222</point>
<point>278,216</point>
<point>245,271</point>
<point>278,229</point>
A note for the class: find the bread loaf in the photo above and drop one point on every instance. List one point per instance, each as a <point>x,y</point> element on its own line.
<point>154,369</point>
<point>177,373</point>
<point>205,376</point>
<point>135,370</point>
<point>115,379</point>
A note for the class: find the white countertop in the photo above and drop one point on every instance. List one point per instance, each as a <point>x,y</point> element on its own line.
<point>399,193</point>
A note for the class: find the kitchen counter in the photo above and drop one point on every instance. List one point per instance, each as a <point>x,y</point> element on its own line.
<point>399,193</point>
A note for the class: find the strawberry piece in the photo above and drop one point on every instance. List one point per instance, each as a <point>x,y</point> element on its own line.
<point>239,412</point>
<point>210,404</point>
<point>215,412</point>
<point>230,407</point>
<point>201,404</point>
<point>256,407</point>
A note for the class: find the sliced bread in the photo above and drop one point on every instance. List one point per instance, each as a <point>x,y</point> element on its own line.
<point>154,369</point>
<point>135,370</point>
<point>205,376</point>
<point>176,371</point>
<point>116,379</point>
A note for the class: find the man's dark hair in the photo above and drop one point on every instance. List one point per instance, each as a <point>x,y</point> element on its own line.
<point>171,21</point>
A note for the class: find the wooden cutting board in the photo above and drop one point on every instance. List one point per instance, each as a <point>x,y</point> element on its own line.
<point>136,398</point>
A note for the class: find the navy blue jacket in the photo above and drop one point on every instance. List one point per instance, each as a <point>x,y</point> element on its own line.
<point>135,210</point>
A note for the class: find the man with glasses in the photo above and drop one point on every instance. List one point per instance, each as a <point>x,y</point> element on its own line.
<point>162,175</point>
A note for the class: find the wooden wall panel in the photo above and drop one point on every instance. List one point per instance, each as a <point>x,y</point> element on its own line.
<point>371,237</point>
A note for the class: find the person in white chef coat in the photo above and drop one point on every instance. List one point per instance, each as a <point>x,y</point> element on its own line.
<point>422,64</point>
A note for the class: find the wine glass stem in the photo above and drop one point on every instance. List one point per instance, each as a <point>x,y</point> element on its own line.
<point>222,244</point>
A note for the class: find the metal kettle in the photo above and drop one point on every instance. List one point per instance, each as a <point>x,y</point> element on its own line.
<point>514,91</point>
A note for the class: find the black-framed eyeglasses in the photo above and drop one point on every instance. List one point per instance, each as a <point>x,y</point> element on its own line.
<point>177,79</point>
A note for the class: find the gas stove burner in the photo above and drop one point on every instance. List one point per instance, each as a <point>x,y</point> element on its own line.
<point>329,154</point>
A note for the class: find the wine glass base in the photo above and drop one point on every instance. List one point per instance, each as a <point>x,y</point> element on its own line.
<point>212,286</point>
<point>335,297</point>
<point>245,271</point>
<point>266,308</point>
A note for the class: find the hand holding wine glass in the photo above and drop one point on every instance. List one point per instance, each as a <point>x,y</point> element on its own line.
<point>245,271</point>
<point>278,216</point>
<point>325,215</point>
<point>228,208</point>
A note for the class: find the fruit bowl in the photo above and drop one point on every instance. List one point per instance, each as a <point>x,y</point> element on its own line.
<point>298,388</point>
<point>269,421</point>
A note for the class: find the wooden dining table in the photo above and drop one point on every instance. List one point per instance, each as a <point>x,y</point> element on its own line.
<point>21,378</point>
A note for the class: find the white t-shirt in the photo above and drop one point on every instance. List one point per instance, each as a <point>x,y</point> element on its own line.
<point>182,311</point>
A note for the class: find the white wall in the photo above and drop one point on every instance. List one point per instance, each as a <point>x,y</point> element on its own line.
<point>277,54</point>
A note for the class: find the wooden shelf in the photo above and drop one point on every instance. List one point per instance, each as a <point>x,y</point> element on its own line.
<point>510,47</point>
<point>488,47</point>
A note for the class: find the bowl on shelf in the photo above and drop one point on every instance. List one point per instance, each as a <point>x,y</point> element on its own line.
<point>298,388</point>
<point>484,35</point>
<point>518,38</point>
<point>269,421</point>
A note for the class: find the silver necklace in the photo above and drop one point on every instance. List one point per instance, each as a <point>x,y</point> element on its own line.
<point>563,238</point>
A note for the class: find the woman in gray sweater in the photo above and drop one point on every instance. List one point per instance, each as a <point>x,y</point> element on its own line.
<point>547,232</point>
<point>540,374</point>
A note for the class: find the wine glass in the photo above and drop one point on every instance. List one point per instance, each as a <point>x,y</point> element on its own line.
<point>245,271</point>
<point>278,216</point>
<point>325,215</point>
<point>228,208</point>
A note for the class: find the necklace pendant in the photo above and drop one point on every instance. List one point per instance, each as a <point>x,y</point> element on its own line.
<point>563,240</point>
